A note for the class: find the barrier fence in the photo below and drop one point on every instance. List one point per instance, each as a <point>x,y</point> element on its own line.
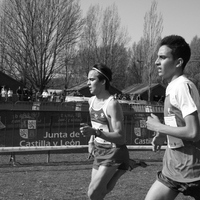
<point>35,126</point>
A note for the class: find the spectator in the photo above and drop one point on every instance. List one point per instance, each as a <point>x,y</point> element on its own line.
<point>10,95</point>
<point>51,97</point>
<point>38,96</point>
<point>45,95</point>
<point>54,96</point>
<point>19,93</point>
<point>62,97</point>
<point>30,96</point>
<point>33,95</point>
<point>4,94</point>
<point>25,94</point>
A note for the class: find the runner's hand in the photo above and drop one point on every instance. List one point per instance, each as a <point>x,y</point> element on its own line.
<point>153,122</point>
<point>157,142</point>
<point>87,130</point>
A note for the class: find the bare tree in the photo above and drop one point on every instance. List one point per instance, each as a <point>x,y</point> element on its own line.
<point>136,65</point>
<point>192,69</point>
<point>88,46</point>
<point>104,40</point>
<point>152,34</point>
<point>35,35</point>
<point>113,37</point>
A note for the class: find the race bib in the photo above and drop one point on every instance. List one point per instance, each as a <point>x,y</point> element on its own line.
<point>173,142</point>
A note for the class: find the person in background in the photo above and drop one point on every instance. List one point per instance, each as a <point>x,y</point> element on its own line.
<point>38,96</point>
<point>107,134</point>
<point>19,93</point>
<point>10,95</point>
<point>50,96</point>
<point>54,96</point>
<point>45,95</point>
<point>25,94</point>
<point>30,96</point>
<point>181,162</point>
<point>62,96</point>
<point>4,94</point>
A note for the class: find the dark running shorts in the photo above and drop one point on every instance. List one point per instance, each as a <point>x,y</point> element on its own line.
<point>111,156</point>
<point>188,189</point>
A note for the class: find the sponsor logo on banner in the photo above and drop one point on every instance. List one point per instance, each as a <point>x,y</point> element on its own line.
<point>28,129</point>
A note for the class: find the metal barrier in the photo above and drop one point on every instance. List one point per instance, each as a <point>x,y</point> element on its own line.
<point>23,105</point>
<point>6,105</point>
<point>49,126</point>
<point>54,127</point>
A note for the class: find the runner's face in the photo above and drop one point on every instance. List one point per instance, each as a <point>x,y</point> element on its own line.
<point>93,82</point>
<point>165,63</point>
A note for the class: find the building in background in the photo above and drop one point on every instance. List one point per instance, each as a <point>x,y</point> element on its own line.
<point>140,92</point>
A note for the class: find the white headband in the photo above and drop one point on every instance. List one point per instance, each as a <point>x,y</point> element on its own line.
<point>101,73</point>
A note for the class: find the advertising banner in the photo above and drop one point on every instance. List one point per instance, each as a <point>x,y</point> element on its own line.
<point>37,128</point>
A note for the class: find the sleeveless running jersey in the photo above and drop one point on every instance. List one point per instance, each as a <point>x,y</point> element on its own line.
<point>100,119</point>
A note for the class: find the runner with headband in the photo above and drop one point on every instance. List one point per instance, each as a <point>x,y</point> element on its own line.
<point>107,134</point>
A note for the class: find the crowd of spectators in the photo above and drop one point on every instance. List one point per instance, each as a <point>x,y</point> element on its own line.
<point>23,94</point>
<point>137,97</point>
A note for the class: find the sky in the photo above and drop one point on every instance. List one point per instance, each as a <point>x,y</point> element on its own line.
<point>180,17</point>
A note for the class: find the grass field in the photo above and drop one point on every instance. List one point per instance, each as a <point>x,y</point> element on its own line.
<point>66,177</point>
